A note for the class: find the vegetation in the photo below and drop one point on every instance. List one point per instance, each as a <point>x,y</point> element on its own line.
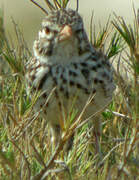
<point>25,146</point>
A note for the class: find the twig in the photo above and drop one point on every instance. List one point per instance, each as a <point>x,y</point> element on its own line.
<point>110,153</point>
<point>50,162</point>
<point>25,158</point>
<point>118,114</point>
<point>88,119</point>
<point>50,5</point>
<point>77,7</point>
<point>38,157</point>
<point>52,171</point>
<point>39,7</point>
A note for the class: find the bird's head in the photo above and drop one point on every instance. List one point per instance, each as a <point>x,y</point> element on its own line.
<point>62,34</point>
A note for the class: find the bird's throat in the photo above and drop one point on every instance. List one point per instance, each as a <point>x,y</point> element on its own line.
<point>65,52</point>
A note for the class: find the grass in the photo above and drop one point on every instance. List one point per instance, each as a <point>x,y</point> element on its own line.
<point>25,146</point>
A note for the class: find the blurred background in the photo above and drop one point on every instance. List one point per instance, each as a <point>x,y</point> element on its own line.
<point>29,17</point>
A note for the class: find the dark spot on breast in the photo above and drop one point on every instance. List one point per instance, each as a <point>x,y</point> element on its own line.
<point>80,51</point>
<point>86,91</point>
<point>64,80</point>
<point>99,66</point>
<point>84,64</point>
<point>79,86</point>
<point>95,80</point>
<point>67,94</point>
<point>61,88</point>
<point>94,68</point>
<point>75,65</point>
<point>72,73</point>
<point>94,58</point>
<point>85,73</point>
<point>101,81</point>
<point>93,53</point>
<point>72,83</point>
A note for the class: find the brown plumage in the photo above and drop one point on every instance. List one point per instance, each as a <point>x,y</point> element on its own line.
<point>65,60</point>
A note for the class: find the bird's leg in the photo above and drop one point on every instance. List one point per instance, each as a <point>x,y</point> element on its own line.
<point>97,142</point>
<point>55,139</point>
<point>69,144</point>
<point>55,135</point>
<point>97,134</point>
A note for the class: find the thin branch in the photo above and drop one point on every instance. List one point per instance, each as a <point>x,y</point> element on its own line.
<point>77,7</point>
<point>118,114</point>
<point>91,28</point>
<point>58,170</point>
<point>37,155</point>
<point>90,117</point>
<point>57,5</point>
<point>44,10</point>
<point>107,155</point>
<point>25,158</point>
<point>50,5</point>
<point>50,162</point>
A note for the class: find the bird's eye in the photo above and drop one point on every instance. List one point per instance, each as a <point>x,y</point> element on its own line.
<point>47,30</point>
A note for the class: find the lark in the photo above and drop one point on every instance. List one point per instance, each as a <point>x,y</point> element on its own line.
<point>67,69</point>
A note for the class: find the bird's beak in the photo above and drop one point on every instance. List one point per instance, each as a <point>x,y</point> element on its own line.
<point>65,33</point>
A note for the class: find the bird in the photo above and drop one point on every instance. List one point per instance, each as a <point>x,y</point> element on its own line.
<point>66,69</point>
